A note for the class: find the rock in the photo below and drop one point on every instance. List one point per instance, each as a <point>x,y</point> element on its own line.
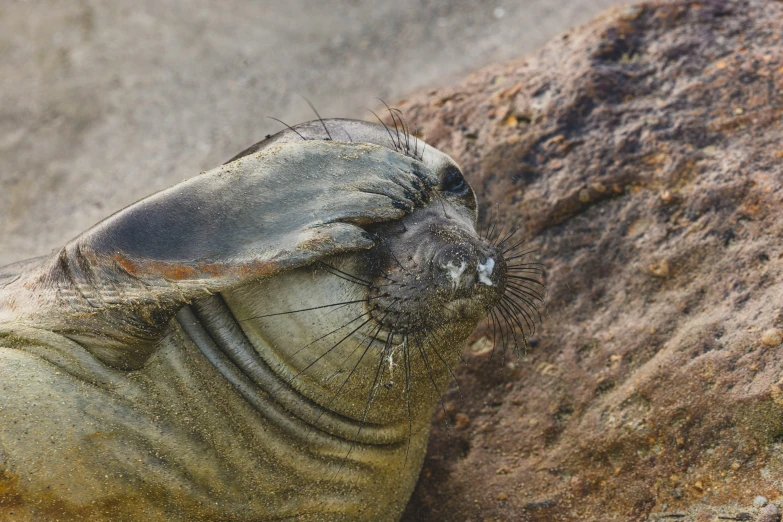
<point>760,501</point>
<point>461,421</point>
<point>772,337</point>
<point>578,486</point>
<point>654,162</point>
<point>770,513</point>
<point>660,268</point>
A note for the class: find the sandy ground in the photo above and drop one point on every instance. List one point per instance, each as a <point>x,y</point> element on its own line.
<point>103,103</point>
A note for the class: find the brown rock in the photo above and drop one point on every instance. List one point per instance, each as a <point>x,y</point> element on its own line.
<point>578,486</point>
<point>772,337</point>
<point>660,268</point>
<point>639,108</point>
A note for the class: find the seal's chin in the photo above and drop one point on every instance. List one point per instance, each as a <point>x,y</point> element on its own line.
<point>394,326</point>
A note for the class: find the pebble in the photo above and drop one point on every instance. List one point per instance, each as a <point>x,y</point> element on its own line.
<point>760,501</point>
<point>578,486</point>
<point>461,421</point>
<point>660,269</point>
<point>772,337</point>
<point>770,513</point>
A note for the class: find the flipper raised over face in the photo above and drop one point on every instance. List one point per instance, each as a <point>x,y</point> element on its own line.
<point>321,285</point>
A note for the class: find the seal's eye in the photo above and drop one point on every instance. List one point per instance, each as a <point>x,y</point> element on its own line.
<point>453,181</point>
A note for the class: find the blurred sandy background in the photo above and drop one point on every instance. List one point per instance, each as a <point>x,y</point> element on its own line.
<point>102,103</point>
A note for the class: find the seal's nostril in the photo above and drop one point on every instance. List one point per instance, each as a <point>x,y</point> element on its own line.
<point>484,271</point>
<point>455,272</point>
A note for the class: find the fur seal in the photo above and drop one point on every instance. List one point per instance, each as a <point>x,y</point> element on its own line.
<point>265,341</point>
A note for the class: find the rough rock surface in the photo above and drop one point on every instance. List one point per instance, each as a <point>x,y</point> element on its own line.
<point>644,154</point>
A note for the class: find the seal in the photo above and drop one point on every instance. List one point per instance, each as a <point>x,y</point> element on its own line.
<point>265,341</point>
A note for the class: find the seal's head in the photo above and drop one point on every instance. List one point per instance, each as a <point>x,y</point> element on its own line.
<point>338,330</point>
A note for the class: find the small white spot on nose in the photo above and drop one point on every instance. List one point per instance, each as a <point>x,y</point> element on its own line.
<point>455,272</point>
<point>485,271</point>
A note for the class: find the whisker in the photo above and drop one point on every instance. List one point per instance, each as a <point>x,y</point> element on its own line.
<point>508,316</point>
<point>337,329</point>
<point>454,377</point>
<point>374,331</point>
<point>534,289</point>
<point>391,137</point>
<point>352,278</point>
<point>526,290</point>
<point>523,254</point>
<point>525,309</point>
<point>289,127</point>
<point>525,264</point>
<point>440,340</point>
<point>531,330</point>
<point>515,245</point>
<point>491,231</point>
<point>370,397</point>
<point>482,230</point>
<point>406,362</point>
<point>344,303</point>
<point>502,336</point>
<point>394,120</point>
<point>416,144</point>
<point>427,366</point>
<point>523,312</point>
<point>522,268</point>
<point>289,381</point>
<point>405,129</point>
<point>353,370</point>
<point>512,230</point>
<point>525,282</point>
<point>319,117</point>
<point>382,241</point>
<point>441,199</point>
<point>494,326</point>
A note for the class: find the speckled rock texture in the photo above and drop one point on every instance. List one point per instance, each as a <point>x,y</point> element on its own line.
<point>644,155</point>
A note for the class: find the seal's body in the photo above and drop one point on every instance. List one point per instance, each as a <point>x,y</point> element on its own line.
<point>265,341</point>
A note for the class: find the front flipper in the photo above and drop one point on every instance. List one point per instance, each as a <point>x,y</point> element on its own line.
<point>115,287</point>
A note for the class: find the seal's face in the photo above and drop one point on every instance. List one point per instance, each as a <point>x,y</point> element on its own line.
<point>391,321</point>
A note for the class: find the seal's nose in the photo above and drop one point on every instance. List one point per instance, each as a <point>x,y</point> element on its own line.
<point>460,267</point>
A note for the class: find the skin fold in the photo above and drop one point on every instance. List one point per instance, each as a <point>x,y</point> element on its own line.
<point>265,341</point>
